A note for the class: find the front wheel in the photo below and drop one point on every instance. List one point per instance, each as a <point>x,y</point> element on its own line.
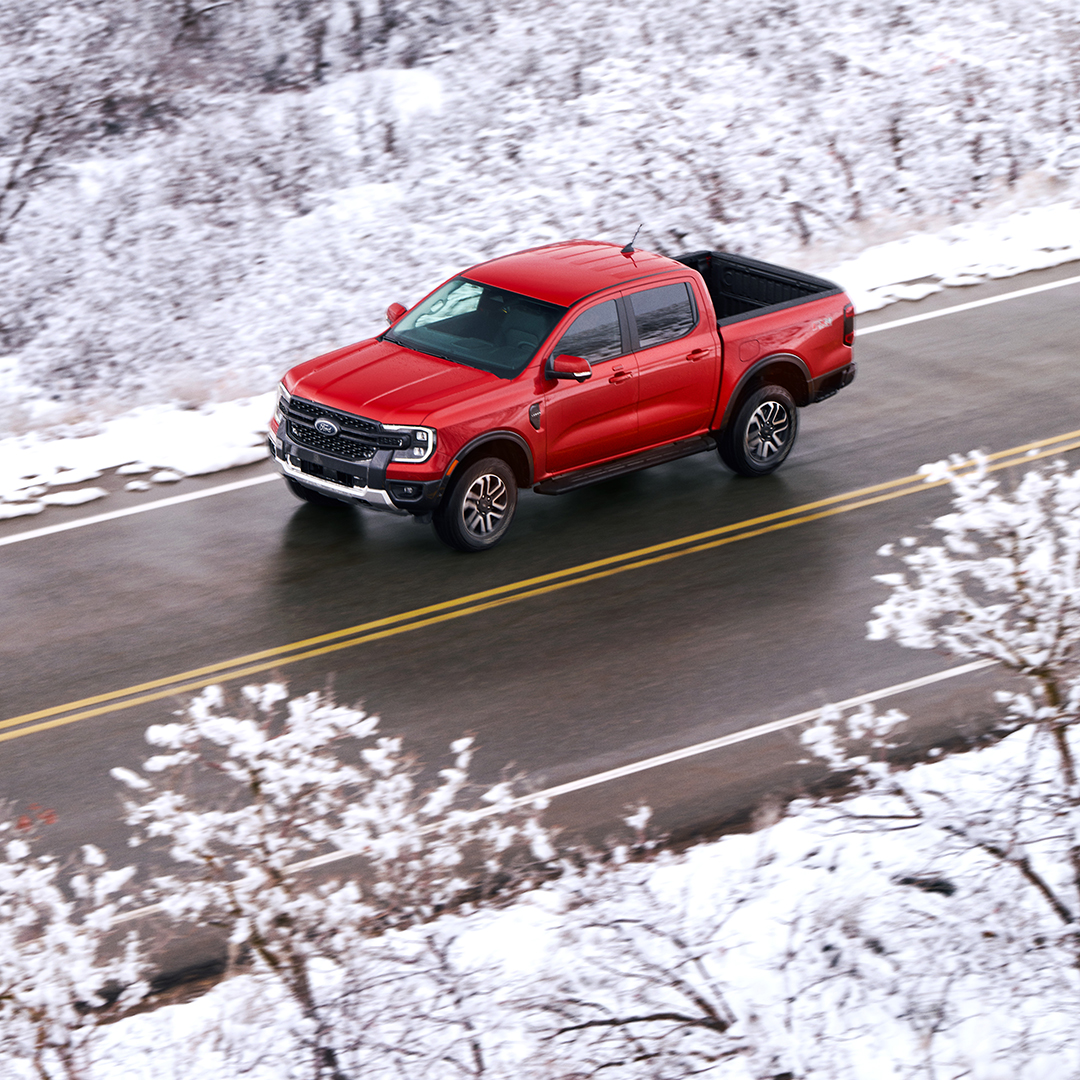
<point>478,509</point>
<point>763,432</point>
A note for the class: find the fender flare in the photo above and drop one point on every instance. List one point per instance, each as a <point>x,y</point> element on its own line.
<point>498,435</point>
<point>751,376</point>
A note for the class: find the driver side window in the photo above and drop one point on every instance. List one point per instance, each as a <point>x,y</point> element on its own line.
<point>594,335</point>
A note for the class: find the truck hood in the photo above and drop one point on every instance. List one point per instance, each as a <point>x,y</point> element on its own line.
<point>385,382</point>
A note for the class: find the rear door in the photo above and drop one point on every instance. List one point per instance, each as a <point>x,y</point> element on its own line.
<point>594,420</point>
<point>677,358</point>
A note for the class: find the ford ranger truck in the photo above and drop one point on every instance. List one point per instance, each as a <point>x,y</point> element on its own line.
<point>557,367</point>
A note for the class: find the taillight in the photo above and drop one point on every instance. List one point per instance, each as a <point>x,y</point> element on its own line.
<point>849,324</point>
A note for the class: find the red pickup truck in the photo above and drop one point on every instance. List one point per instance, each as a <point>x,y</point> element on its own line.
<point>557,367</point>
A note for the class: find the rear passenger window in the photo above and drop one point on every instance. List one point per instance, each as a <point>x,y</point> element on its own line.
<point>593,335</point>
<point>662,314</point>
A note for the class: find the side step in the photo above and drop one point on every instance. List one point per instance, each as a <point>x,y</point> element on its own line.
<point>656,456</point>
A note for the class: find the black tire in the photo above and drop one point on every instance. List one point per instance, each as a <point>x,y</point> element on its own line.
<point>762,433</point>
<point>316,498</point>
<point>476,512</point>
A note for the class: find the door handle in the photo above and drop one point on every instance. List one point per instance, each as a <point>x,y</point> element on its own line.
<point>621,376</point>
<point>697,354</point>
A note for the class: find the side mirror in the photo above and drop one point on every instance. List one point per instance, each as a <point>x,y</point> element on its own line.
<point>568,367</point>
<point>394,312</point>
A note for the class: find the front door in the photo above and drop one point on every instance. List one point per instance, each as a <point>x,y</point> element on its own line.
<point>595,420</point>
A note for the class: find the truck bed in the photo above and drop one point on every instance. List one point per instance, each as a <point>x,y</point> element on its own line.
<point>741,288</point>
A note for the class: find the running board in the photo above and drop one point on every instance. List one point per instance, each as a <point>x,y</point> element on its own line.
<point>656,456</point>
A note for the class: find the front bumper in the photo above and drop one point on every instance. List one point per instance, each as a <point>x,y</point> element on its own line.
<point>361,482</point>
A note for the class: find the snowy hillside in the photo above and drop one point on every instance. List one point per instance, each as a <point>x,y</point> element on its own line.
<point>192,198</point>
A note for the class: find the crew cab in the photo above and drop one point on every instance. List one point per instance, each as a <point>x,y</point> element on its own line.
<point>557,367</point>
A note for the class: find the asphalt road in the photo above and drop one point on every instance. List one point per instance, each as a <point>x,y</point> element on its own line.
<point>556,683</point>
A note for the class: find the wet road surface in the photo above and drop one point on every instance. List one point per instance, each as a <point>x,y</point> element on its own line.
<point>560,683</point>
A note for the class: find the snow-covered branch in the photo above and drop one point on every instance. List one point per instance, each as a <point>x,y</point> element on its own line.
<point>1002,584</point>
<point>59,976</point>
<point>248,801</point>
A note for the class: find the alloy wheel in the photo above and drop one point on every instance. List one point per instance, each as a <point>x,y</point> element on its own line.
<point>485,504</point>
<point>768,431</point>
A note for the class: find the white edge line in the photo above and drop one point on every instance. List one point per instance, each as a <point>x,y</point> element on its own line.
<point>650,763</point>
<point>965,307</point>
<point>748,733</point>
<point>698,748</point>
<point>112,515</point>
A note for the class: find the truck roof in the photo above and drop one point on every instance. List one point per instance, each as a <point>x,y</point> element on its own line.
<point>564,272</point>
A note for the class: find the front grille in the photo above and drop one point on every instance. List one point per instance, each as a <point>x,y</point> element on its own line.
<point>357,440</point>
<point>335,445</point>
<point>308,410</point>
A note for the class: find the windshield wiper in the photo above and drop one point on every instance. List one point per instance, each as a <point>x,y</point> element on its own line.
<point>395,340</point>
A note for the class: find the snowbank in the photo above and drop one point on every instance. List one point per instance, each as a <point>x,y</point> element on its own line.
<point>153,445</point>
<point>966,254</point>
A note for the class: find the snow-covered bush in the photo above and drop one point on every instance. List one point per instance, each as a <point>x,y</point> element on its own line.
<point>255,805</point>
<point>1004,585</point>
<point>641,985</point>
<point>1000,827</point>
<point>60,976</point>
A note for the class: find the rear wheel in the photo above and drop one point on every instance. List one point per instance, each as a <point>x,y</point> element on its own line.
<point>763,432</point>
<point>478,509</point>
<point>317,498</point>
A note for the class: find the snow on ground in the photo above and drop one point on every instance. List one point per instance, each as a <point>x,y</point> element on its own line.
<point>966,254</point>
<point>153,445</point>
<point>164,443</point>
<point>854,950</point>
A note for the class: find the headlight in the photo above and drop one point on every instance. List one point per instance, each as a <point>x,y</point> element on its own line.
<point>422,440</point>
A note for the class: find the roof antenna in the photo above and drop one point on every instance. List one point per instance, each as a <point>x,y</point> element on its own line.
<point>629,249</point>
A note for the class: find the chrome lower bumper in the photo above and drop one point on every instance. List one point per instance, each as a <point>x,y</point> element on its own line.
<point>376,498</point>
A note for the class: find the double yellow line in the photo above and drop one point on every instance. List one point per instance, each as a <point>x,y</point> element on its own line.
<point>243,667</point>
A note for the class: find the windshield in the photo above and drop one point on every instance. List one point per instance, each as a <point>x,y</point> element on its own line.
<point>479,326</point>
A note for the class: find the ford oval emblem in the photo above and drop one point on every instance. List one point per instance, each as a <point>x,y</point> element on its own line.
<point>325,426</point>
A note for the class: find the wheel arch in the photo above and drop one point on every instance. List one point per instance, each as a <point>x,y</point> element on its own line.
<point>781,369</point>
<point>508,445</point>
